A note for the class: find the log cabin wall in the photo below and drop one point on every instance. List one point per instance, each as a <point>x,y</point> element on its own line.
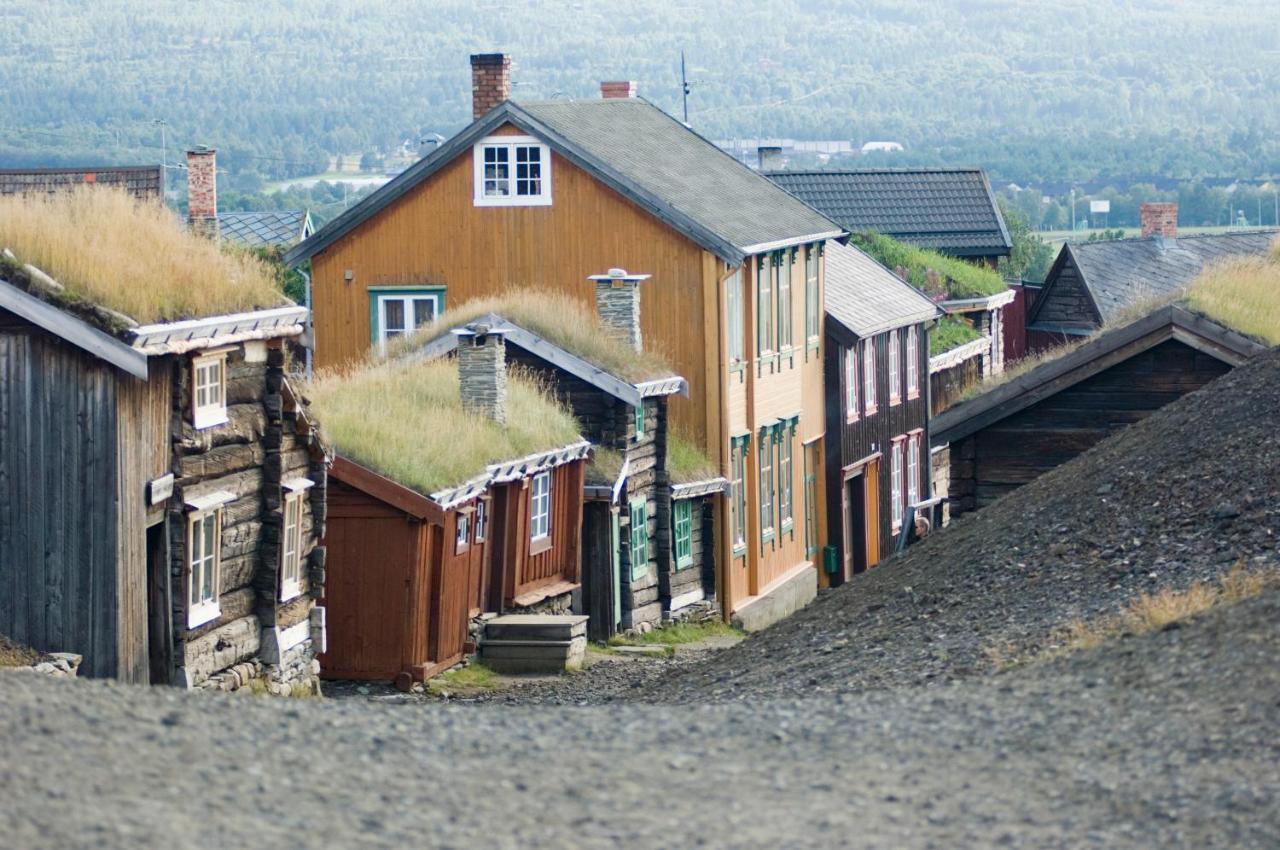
<point>646,480</point>
<point>948,386</point>
<point>1065,301</point>
<point>1019,448</point>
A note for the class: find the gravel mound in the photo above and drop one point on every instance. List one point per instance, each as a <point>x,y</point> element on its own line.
<point>1178,498</point>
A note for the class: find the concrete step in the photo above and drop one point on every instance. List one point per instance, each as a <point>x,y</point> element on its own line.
<point>536,627</point>
<point>533,656</point>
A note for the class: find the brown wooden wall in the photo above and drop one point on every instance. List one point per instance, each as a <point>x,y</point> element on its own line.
<point>1065,300</point>
<point>520,572</point>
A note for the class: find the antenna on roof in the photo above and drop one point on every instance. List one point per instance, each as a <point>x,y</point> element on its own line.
<point>684,88</point>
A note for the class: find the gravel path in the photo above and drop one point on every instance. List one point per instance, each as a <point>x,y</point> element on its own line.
<point>1165,740</point>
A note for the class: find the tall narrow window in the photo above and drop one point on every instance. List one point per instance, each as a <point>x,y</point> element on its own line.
<point>733,299</point>
<point>895,373</point>
<point>512,171</point>
<point>766,486</point>
<point>782,263</point>
<point>482,520</point>
<point>869,375</point>
<point>639,537</point>
<point>812,300</point>
<point>786,511</point>
<point>851,378</point>
<point>639,420</point>
<point>895,484</point>
<point>209,390</point>
<point>913,362</point>
<point>540,507</point>
<point>810,501</point>
<point>462,535</point>
<point>738,503</point>
<point>682,533</point>
<point>204,551</point>
<point>764,306</point>
<point>913,469</point>
<point>291,540</point>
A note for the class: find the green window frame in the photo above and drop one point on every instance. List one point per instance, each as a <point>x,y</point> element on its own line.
<point>400,310</point>
<point>737,329</point>
<point>738,487</point>
<point>782,264</point>
<point>767,484</point>
<point>764,305</point>
<point>812,299</point>
<point>785,437</point>
<point>639,421</point>
<point>639,537</point>
<point>810,505</point>
<point>682,529</point>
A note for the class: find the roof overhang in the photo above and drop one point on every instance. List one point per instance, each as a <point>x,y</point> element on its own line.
<point>385,490</point>
<point>195,334</point>
<point>958,355</point>
<point>75,331</point>
<point>693,489</point>
<point>1097,355</point>
<point>984,302</point>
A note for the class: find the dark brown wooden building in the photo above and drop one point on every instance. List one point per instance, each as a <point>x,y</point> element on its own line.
<point>1012,434</point>
<point>877,473</point>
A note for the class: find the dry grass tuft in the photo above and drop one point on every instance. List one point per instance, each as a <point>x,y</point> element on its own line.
<point>1242,293</point>
<point>134,257</point>
<point>14,654</point>
<point>686,462</point>
<point>405,420</point>
<point>557,316</point>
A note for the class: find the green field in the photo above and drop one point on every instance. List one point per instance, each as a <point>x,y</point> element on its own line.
<point>1057,237</point>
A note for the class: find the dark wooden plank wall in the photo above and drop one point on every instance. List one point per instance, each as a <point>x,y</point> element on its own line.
<point>947,386</point>
<point>1067,301</point>
<point>1024,446</point>
<point>58,488</point>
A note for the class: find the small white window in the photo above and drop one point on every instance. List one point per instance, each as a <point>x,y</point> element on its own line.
<point>913,362</point>
<point>512,171</point>
<point>291,544</point>
<point>913,469</point>
<point>462,540</point>
<point>869,375</point>
<point>204,551</point>
<point>851,384</point>
<point>895,373</point>
<point>209,389</point>
<point>482,520</point>
<point>895,484</point>
<point>540,523</point>
<point>402,313</point>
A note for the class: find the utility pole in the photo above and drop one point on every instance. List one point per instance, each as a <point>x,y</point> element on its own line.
<point>684,88</point>
<point>1073,210</point>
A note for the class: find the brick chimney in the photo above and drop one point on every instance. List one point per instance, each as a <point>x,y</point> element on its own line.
<point>618,303</point>
<point>769,157</point>
<point>611,89</point>
<point>202,191</point>
<point>482,370</point>
<point>1160,220</point>
<point>490,81</point>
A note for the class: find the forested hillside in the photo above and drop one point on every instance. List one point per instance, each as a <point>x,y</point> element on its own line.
<point>1069,90</point>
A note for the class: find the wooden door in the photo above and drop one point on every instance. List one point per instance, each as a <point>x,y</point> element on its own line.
<point>615,559</point>
<point>159,605</point>
<point>871,477</point>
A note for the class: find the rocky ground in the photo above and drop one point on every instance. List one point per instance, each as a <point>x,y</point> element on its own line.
<point>876,718</point>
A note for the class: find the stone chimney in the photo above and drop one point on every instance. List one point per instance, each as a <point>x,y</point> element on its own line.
<point>770,157</point>
<point>618,303</point>
<point>1160,220</point>
<point>611,89</point>
<point>482,370</point>
<point>490,81</point>
<point>202,191</point>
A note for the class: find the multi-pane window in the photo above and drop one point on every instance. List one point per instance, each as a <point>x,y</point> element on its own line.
<point>812,301</point>
<point>398,313</point>
<point>851,384</point>
<point>540,507</point>
<point>738,505</point>
<point>913,469</point>
<point>482,520</point>
<point>895,484</point>
<point>782,264</point>
<point>895,373</point>
<point>764,306</point>
<point>766,487</point>
<point>462,536</point>
<point>512,171</point>
<point>913,362</point>
<point>869,375</point>
<point>682,531</point>
<point>733,295</point>
<point>810,502</point>
<point>204,545</point>
<point>209,390</point>
<point>291,545</point>
<point>639,537</point>
<point>786,512</point>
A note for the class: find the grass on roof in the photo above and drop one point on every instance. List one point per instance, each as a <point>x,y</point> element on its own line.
<point>405,420</point>
<point>686,462</point>
<point>605,467</point>
<point>558,317</point>
<point>950,332</point>
<point>135,257</point>
<point>955,278</point>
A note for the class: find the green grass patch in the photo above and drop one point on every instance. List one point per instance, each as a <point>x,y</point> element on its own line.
<point>473,677</point>
<point>951,332</point>
<point>953,278</point>
<point>677,634</point>
<point>686,462</point>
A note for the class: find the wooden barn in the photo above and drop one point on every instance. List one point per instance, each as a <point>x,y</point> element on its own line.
<point>457,491</point>
<point>1017,431</point>
<point>877,474</point>
<point>647,554</point>
<point>161,492</point>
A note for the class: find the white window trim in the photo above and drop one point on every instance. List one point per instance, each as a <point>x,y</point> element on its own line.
<point>896,467</point>
<point>291,571</point>
<point>207,610</point>
<point>913,362</point>
<point>869,390</point>
<point>479,199</point>
<point>545,532</point>
<point>852,382</point>
<point>913,469</point>
<point>462,534</point>
<point>382,298</point>
<point>895,368</point>
<point>208,415</point>
<point>480,530</point>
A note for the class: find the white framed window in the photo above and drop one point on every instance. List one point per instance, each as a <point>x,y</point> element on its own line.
<point>786,471</point>
<point>736,334</point>
<point>398,311</point>
<point>209,389</point>
<point>812,301</point>
<point>482,520</point>
<point>204,553</point>
<point>913,469</point>
<point>738,485</point>
<point>913,362</point>
<point>764,305</point>
<point>766,485</point>
<point>462,537</point>
<point>851,384</point>
<point>895,371</point>
<point>869,375</point>
<point>782,264</point>
<point>291,539</point>
<point>540,507</point>
<point>512,171</point>
<point>895,483</point>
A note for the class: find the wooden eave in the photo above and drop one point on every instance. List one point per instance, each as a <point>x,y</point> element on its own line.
<point>385,490</point>
<point>693,489</point>
<point>75,331</point>
<point>1098,354</point>
<point>959,354</point>
<point>195,334</point>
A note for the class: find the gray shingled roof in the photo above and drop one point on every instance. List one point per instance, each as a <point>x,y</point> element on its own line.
<point>283,228</point>
<point>866,298</point>
<point>951,210</point>
<point>646,156</point>
<point>1121,272</point>
<point>145,182</point>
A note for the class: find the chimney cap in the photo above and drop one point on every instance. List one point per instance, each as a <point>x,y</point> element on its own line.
<point>619,274</point>
<point>200,149</point>
<point>480,329</point>
<point>490,59</point>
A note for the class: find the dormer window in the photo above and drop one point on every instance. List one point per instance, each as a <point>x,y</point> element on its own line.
<point>512,171</point>
<point>209,389</point>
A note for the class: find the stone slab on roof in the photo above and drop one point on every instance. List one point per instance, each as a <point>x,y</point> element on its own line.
<point>145,182</point>
<point>265,228</point>
<point>951,210</point>
<point>866,298</point>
